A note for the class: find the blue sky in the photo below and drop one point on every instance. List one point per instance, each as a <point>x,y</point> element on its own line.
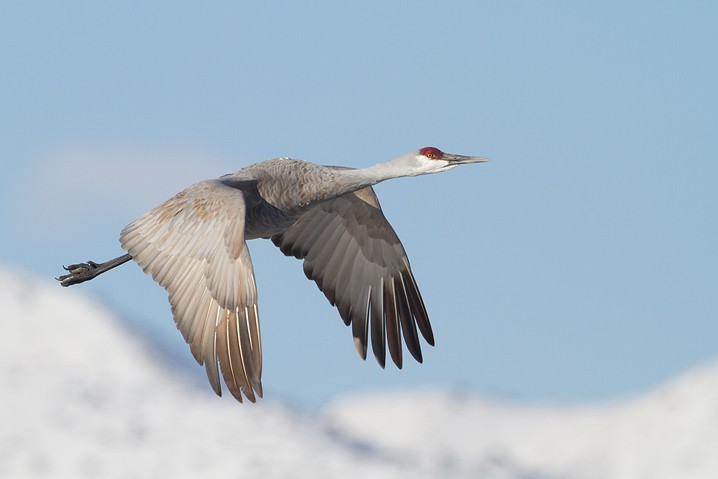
<point>579,264</point>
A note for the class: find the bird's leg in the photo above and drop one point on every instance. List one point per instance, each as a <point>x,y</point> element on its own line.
<point>81,272</point>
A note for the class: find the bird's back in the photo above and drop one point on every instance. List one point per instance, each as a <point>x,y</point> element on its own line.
<point>278,191</point>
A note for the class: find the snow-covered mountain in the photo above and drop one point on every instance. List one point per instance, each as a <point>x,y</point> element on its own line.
<point>82,396</point>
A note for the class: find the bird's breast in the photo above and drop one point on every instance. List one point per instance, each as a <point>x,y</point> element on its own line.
<point>264,220</point>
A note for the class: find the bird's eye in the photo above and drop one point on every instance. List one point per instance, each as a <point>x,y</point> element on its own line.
<point>431,153</point>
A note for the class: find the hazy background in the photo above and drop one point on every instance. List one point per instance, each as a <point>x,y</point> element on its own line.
<point>579,264</point>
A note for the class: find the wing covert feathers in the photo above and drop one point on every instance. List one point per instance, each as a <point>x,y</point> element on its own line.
<point>193,245</point>
<point>353,254</point>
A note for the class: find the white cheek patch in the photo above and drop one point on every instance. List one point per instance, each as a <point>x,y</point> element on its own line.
<point>427,165</point>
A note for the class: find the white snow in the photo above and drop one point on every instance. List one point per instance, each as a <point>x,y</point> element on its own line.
<point>82,396</point>
<point>671,432</point>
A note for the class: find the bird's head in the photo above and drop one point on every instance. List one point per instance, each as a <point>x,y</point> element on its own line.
<point>432,160</point>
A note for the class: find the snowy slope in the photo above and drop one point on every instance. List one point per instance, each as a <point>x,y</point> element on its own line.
<point>671,432</point>
<point>81,396</point>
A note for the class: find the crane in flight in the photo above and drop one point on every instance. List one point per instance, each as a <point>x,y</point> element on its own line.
<point>194,246</point>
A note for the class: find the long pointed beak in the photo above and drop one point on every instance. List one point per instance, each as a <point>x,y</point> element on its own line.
<point>461,159</point>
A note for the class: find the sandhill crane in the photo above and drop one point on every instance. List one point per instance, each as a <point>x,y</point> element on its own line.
<point>194,245</point>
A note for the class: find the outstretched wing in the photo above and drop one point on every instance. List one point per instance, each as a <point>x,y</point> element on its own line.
<point>193,245</point>
<point>353,254</point>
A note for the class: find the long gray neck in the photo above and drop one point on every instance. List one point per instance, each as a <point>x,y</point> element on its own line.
<point>306,184</point>
<point>352,180</point>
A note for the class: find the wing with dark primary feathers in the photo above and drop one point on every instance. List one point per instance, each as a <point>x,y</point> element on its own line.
<point>353,254</point>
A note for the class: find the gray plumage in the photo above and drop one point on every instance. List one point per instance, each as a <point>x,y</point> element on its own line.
<point>194,245</point>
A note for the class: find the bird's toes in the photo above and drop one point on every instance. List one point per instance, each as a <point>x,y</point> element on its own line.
<point>77,273</point>
<point>65,279</point>
<point>80,267</point>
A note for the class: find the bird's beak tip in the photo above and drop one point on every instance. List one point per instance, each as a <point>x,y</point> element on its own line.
<point>458,159</point>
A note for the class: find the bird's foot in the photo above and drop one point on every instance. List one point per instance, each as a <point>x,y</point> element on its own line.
<point>79,273</point>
